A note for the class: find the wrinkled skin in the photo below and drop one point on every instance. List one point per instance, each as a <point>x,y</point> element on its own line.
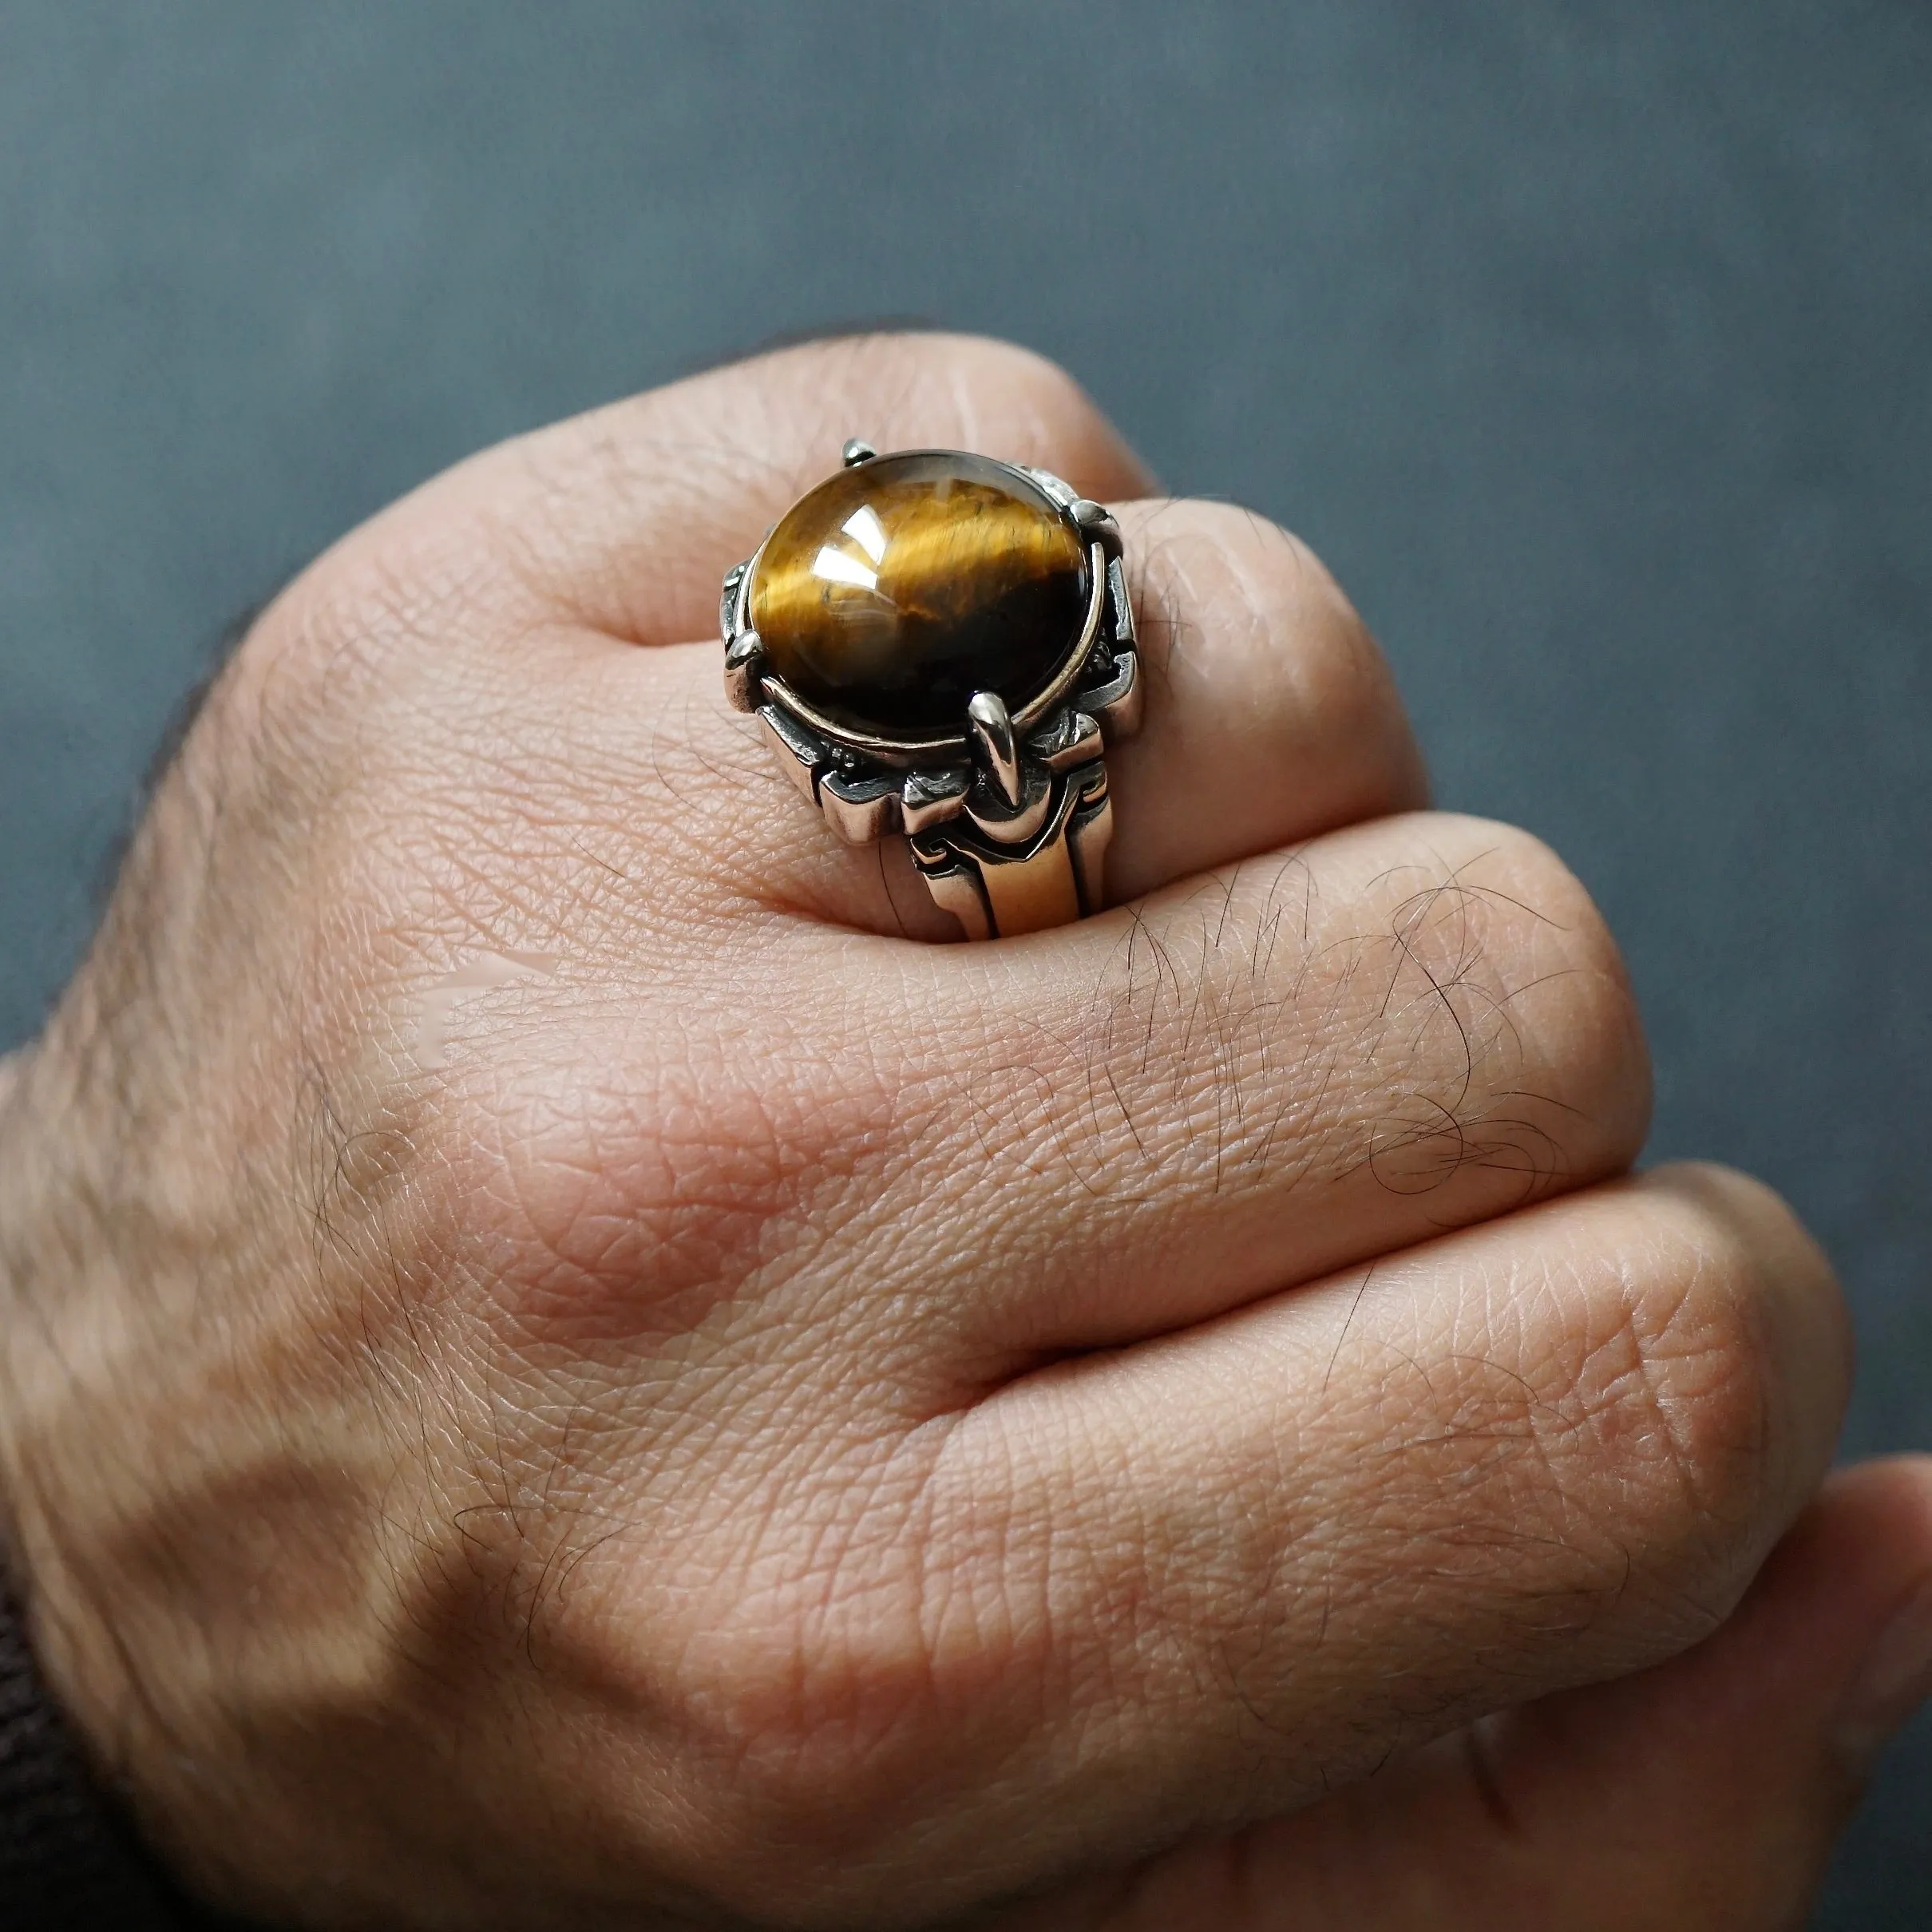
<point>566,1365</point>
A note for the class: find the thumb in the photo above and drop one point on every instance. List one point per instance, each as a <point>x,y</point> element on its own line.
<point>1709,1793</point>
<point>1700,1796</point>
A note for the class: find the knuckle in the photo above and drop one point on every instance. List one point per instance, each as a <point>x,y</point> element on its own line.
<point>1212,577</point>
<point>1601,1447</point>
<point>1668,1424</point>
<point>973,365</point>
<point>1328,1014</point>
<point>638,1183</point>
<point>617,1199</point>
<point>1272,575</point>
<point>987,391</point>
<point>384,634</point>
<point>1758,1271</point>
<point>1242,625</point>
<point>1561,998</point>
<point>310,688</point>
<point>814,1679</point>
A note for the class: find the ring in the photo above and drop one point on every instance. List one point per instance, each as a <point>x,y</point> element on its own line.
<point>941,645</point>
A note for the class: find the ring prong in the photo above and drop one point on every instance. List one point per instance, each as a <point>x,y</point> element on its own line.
<point>992,736</point>
<point>744,664</point>
<point>857,453</point>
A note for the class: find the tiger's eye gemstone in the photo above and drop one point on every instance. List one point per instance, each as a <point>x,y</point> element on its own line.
<point>895,590</point>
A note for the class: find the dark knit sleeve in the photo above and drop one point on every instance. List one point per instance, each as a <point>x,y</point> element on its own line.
<point>67,1862</point>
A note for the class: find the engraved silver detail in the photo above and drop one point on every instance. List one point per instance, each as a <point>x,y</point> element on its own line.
<point>994,744</point>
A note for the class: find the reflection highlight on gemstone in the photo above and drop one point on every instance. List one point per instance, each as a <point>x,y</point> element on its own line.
<point>865,530</point>
<point>832,566</point>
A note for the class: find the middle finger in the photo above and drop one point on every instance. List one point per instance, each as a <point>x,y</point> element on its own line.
<point>1247,1081</point>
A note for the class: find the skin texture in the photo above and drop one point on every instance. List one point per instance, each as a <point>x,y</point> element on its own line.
<point>565,1366</point>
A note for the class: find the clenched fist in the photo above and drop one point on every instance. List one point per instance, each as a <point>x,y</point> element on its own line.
<point>567,1365</point>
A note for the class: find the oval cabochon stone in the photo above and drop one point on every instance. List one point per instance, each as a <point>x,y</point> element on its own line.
<point>895,590</point>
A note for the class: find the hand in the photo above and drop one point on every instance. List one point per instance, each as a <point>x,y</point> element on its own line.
<point>564,1368</point>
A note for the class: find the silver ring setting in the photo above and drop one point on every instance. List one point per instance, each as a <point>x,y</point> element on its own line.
<point>942,645</point>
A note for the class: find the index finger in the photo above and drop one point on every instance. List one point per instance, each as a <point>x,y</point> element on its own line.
<point>627,517</point>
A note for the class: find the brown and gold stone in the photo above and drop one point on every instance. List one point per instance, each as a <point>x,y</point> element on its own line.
<point>897,588</point>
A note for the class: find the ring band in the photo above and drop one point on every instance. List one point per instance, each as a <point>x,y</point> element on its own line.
<point>942,645</point>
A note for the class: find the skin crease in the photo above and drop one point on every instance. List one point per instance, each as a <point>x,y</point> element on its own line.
<point>563,1365</point>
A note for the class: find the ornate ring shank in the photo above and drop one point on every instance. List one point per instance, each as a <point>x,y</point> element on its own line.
<point>1001,892</point>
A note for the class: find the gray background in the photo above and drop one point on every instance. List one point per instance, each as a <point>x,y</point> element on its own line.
<point>1590,344</point>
